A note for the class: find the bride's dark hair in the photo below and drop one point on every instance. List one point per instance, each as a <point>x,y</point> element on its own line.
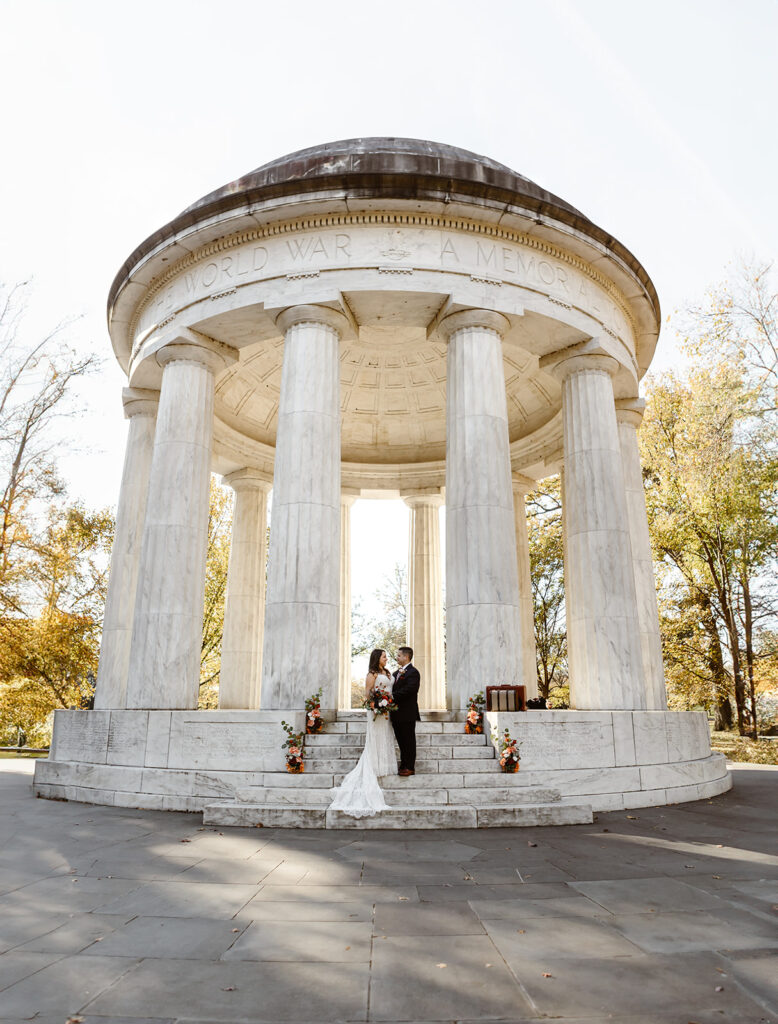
<point>375,662</point>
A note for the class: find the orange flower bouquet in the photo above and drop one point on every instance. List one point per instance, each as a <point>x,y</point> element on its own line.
<point>509,753</point>
<point>295,744</point>
<point>474,720</point>
<point>313,719</point>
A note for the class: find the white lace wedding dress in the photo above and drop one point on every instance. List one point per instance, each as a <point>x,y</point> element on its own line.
<point>360,795</point>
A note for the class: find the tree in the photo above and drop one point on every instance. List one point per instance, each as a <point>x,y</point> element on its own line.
<point>36,380</point>
<point>386,631</point>
<point>712,476</point>
<point>220,506</point>
<point>546,552</point>
<point>48,659</point>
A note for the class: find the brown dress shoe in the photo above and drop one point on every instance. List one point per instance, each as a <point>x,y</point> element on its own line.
<point>405,772</point>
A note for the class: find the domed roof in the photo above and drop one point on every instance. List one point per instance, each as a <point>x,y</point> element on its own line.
<point>390,168</point>
<point>382,168</point>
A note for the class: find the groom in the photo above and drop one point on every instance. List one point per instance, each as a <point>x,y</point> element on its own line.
<point>405,694</point>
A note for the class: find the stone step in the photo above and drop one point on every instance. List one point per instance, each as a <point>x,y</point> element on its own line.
<point>442,780</point>
<point>433,753</point>
<point>356,715</point>
<point>423,739</point>
<point>424,766</point>
<point>422,728</point>
<point>401,796</point>
<point>421,817</point>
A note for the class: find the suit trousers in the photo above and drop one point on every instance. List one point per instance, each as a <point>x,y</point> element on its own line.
<point>405,733</point>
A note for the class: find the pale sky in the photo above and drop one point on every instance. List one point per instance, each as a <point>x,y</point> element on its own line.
<point>657,120</point>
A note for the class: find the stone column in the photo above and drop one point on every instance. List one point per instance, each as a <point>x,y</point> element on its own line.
<point>482,590</point>
<point>168,622</point>
<point>521,487</point>
<point>629,413</point>
<point>603,636</point>
<point>303,583</point>
<point>425,597</point>
<point>344,631</point>
<point>140,408</point>
<point>244,606</point>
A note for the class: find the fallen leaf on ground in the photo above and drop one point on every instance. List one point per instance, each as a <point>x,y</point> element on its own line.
<point>403,899</point>
<point>521,931</point>
<point>689,866</point>
<point>441,965</point>
<point>632,817</point>
<point>348,947</point>
<point>716,876</point>
<point>719,988</point>
<point>532,844</point>
<point>74,1020</point>
<point>185,840</point>
<point>487,965</point>
<point>229,988</point>
<point>546,974</point>
<point>721,971</point>
<point>236,929</point>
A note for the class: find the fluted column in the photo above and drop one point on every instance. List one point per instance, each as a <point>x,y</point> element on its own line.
<point>140,408</point>
<point>521,487</point>
<point>603,636</point>
<point>344,631</point>
<point>482,591</point>
<point>425,597</point>
<point>303,588</point>
<point>240,675</point>
<point>629,413</point>
<point>168,621</point>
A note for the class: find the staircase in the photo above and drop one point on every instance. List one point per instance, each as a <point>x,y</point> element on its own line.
<point>458,784</point>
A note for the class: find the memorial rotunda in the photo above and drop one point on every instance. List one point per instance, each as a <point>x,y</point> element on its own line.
<point>380,318</point>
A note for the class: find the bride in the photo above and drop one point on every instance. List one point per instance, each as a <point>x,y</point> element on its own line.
<point>359,795</point>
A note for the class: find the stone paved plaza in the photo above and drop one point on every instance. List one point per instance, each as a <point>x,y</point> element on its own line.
<point>659,916</point>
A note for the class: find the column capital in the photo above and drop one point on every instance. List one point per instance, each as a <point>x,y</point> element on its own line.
<point>523,484</point>
<point>630,410</point>
<point>431,496</point>
<point>348,498</point>
<point>248,479</point>
<point>487,319</point>
<point>586,356</point>
<point>305,314</point>
<point>190,346</point>
<point>139,402</point>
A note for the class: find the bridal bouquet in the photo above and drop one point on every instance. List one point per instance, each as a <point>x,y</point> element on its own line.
<point>379,702</point>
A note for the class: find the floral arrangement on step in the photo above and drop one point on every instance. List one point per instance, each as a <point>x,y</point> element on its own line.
<point>295,749</point>
<point>474,720</point>
<point>379,702</point>
<point>509,752</point>
<point>313,719</point>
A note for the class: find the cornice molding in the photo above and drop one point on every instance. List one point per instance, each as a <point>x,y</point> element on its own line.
<point>416,220</point>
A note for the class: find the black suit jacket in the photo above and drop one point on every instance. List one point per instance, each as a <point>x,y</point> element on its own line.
<point>405,693</point>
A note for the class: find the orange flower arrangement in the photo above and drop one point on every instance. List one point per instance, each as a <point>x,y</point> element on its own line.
<point>295,745</point>
<point>509,753</point>
<point>313,719</point>
<point>474,721</point>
